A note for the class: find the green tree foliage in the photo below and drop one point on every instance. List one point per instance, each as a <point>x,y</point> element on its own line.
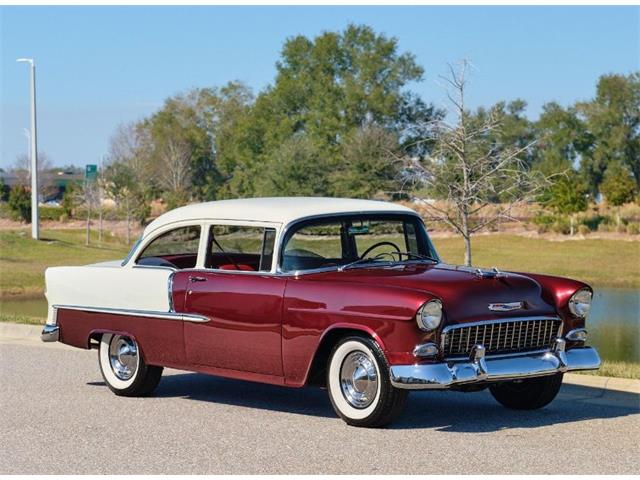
<point>20,203</point>
<point>69,199</point>
<point>367,168</point>
<point>567,196</point>
<point>613,119</point>
<point>618,185</point>
<point>562,138</point>
<point>326,90</point>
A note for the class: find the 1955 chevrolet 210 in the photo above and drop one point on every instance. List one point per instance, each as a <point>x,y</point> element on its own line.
<point>346,294</point>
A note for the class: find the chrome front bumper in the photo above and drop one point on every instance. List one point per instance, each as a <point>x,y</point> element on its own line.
<point>50,333</point>
<point>480,369</point>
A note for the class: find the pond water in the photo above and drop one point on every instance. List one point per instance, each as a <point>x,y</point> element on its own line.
<point>613,324</point>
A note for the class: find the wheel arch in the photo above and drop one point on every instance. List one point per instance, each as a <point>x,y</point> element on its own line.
<point>96,335</point>
<point>330,337</point>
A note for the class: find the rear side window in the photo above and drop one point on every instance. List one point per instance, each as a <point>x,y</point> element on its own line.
<point>243,248</point>
<point>176,248</point>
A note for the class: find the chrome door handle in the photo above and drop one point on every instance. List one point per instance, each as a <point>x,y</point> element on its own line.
<point>197,279</point>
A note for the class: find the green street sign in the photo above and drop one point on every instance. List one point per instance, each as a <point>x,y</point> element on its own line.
<point>91,172</point>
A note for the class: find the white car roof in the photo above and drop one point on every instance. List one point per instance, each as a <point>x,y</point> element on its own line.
<point>274,210</point>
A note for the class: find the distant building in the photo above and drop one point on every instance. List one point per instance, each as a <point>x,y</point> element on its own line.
<point>53,182</point>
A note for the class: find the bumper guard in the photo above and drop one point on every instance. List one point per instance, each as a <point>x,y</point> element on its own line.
<point>50,333</point>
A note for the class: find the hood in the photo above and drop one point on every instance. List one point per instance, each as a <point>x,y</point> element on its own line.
<point>464,293</point>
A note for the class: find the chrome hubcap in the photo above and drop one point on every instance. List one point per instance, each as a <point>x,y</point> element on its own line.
<point>123,357</point>
<point>358,380</point>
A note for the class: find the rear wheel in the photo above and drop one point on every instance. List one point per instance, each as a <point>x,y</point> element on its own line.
<point>123,368</point>
<point>529,394</point>
<point>359,384</point>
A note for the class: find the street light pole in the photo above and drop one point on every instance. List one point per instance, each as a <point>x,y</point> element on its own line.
<point>35,227</point>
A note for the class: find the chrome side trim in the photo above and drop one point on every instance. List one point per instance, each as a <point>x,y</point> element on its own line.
<point>479,368</point>
<point>170,291</point>
<point>50,333</point>
<point>184,317</point>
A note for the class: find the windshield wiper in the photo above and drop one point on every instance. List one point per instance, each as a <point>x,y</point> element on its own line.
<point>417,256</point>
<point>360,261</point>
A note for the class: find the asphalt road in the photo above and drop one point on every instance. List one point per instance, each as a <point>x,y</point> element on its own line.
<point>57,416</point>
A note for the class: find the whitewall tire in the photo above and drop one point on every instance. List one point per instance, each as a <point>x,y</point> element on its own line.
<point>359,385</point>
<point>123,368</point>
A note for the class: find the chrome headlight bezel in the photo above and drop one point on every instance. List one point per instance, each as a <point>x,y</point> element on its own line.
<point>580,303</point>
<point>429,315</point>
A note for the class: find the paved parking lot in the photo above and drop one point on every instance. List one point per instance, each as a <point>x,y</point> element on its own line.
<point>59,417</point>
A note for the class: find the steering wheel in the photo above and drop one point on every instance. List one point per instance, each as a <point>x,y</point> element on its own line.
<point>380,244</point>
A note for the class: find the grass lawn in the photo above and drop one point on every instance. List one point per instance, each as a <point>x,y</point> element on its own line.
<point>617,369</point>
<point>600,263</point>
<point>23,260</point>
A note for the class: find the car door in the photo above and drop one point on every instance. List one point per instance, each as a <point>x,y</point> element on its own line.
<point>241,299</point>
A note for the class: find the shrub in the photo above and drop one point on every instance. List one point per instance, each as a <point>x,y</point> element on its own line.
<point>561,225</point>
<point>604,227</point>
<point>50,213</point>
<point>633,228</point>
<point>543,222</point>
<point>20,203</point>
<point>583,229</point>
<point>592,223</point>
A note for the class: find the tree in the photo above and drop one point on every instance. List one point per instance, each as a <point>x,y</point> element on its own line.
<point>175,172</point>
<point>367,167</point>
<point>567,196</point>
<point>562,139</point>
<point>613,119</point>
<point>22,170</point>
<point>20,203</point>
<point>69,199</point>
<point>121,185</point>
<point>468,170</point>
<point>326,90</point>
<point>618,186</point>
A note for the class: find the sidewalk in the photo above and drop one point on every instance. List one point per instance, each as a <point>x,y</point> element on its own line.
<point>31,333</point>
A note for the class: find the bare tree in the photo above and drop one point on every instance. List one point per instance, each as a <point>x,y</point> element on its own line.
<point>127,176</point>
<point>175,170</point>
<point>22,170</point>
<point>468,170</point>
<point>89,196</point>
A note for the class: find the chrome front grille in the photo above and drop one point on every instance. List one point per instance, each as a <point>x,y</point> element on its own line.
<point>500,337</point>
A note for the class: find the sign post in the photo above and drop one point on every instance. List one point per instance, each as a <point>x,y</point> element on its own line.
<point>90,175</point>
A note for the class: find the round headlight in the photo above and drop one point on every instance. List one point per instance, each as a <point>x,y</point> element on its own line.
<point>429,315</point>
<point>580,303</point>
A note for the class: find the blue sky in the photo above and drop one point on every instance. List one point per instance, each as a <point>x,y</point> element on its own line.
<point>100,66</point>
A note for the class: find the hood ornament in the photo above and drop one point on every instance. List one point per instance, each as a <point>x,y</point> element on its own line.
<point>506,307</point>
<point>493,273</point>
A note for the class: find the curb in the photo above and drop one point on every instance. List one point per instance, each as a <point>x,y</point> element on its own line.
<point>628,385</point>
<point>15,330</point>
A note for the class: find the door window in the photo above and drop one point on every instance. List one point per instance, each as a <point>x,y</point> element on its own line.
<point>237,247</point>
<point>176,248</point>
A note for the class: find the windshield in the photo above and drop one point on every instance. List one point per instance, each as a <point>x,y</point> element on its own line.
<point>347,241</point>
<point>131,252</point>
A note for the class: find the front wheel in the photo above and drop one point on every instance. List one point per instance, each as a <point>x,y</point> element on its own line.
<point>529,394</point>
<point>359,384</point>
<point>123,368</point>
